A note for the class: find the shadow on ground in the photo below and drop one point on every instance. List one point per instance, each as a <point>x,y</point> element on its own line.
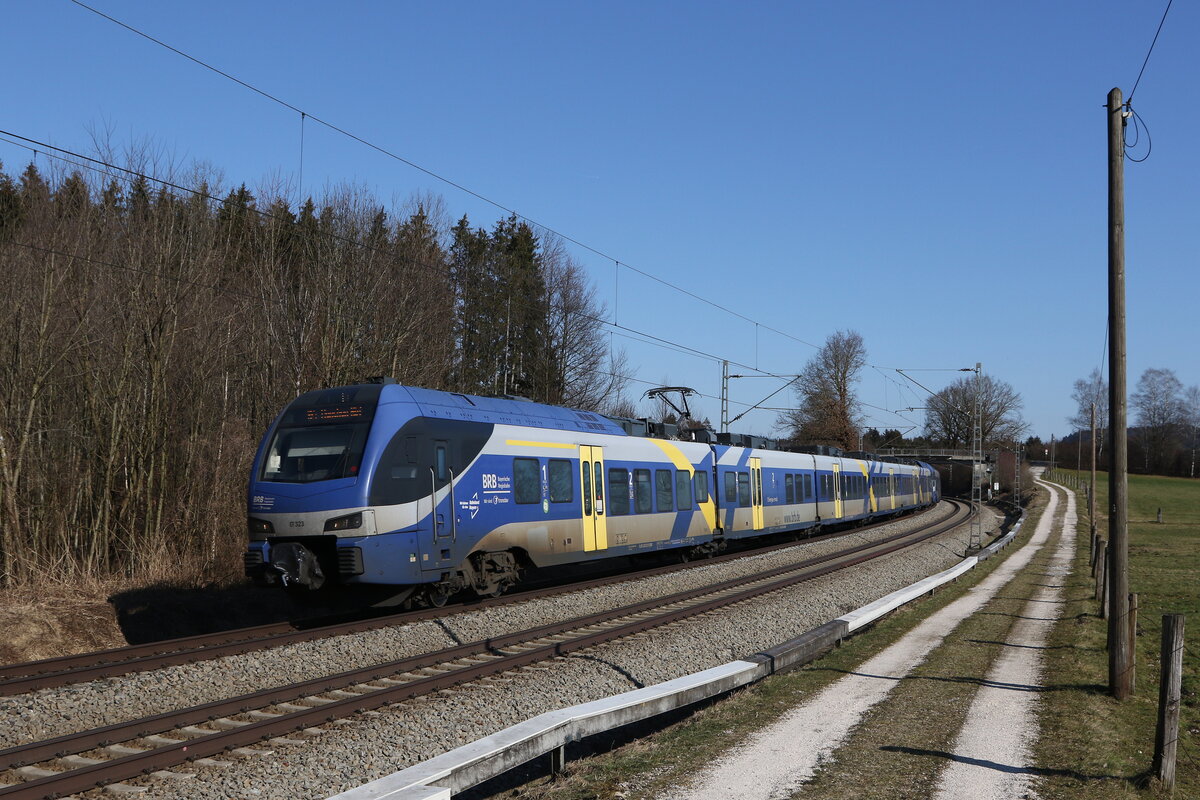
<point>167,611</point>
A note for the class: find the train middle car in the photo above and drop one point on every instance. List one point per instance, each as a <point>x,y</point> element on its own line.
<point>414,489</point>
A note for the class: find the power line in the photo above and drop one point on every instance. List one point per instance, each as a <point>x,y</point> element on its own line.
<point>384,151</point>
<point>1148,52</point>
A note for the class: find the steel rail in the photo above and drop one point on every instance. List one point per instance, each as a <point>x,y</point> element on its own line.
<point>495,661</point>
<point>66,670</point>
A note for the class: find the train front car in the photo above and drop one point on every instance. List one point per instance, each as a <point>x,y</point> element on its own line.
<point>389,490</point>
<point>309,487</point>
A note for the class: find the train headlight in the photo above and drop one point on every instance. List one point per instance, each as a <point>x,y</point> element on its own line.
<point>260,526</point>
<point>346,523</point>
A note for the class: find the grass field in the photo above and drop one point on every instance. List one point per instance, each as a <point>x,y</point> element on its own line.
<point>1091,745</point>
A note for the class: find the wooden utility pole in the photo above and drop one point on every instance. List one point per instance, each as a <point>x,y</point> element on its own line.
<point>1119,683</point>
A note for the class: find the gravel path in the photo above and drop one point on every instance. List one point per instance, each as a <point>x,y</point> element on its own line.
<point>377,743</point>
<point>992,755</point>
<point>783,756</point>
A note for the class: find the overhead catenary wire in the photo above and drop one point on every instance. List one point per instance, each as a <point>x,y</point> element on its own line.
<point>227,291</point>
<point>439,177</point>
<point>457,185</point>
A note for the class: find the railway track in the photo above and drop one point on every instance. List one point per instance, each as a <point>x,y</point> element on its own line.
<point>82,761</point>
<point>66,670</point>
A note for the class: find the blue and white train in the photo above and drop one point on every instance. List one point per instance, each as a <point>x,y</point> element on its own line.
<point>416,490</point>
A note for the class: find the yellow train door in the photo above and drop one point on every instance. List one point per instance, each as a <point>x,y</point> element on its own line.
<point>838,511</point>
<point>756,493</point>
<point>591,472</point>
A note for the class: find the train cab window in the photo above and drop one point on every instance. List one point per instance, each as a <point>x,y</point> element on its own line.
<point>641,491</point>
<point>618,492</point>
<point>683,491</point>
<point>527,486</point>
<point>562,482</point>
<point>789,489</point>
<point>586,474</point>
<point>701,487</point>
<point>664,491</point>
<point>731,487</point>
<point>743,489</point>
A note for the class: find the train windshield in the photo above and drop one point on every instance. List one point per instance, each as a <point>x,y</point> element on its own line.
<point>321,436</point>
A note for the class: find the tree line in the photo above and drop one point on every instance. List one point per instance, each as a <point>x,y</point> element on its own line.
<point>1164,430</point>
<point>154,333</point>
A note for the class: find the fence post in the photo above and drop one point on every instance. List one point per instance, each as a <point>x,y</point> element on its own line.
<point>1098,567</point>
<point>1103,585</point>
<point>1133,609</point>
<point>1166,735</point>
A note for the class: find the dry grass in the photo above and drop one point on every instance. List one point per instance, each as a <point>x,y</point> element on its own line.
<point>51,620</point>
<point>54,615</point>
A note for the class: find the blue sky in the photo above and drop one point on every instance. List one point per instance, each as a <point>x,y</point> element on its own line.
<point>929,174</point>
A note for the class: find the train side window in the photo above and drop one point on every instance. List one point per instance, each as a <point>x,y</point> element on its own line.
<point>562,482</point>
<point>701,487</point>
<point>743,480</point>
<point>526,481</point>
<point>439,458</point>
<point>808,487</point>
<point>618,492</point>
<point>663,491</point>
<point>641,491</point>
<point>683,490</point>
<point>731,487</point>
<point>586,474</point>
<point>789,489</point>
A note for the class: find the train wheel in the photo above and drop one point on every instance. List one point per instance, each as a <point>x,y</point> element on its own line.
<point>437,595</point>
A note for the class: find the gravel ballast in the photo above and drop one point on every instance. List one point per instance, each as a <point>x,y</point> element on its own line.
<point>377,743</point>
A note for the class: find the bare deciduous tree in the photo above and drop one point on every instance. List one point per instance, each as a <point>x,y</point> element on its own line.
<point>592,376</point>
<point>949,414</point>
<point>1160,414</point>
<point>1089,390</point>
<point>828,410</point>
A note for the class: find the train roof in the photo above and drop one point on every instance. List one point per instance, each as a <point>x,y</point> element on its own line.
<point>498,410</point>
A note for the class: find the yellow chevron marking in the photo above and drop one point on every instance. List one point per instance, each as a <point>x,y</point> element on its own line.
<point>707,508</point>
